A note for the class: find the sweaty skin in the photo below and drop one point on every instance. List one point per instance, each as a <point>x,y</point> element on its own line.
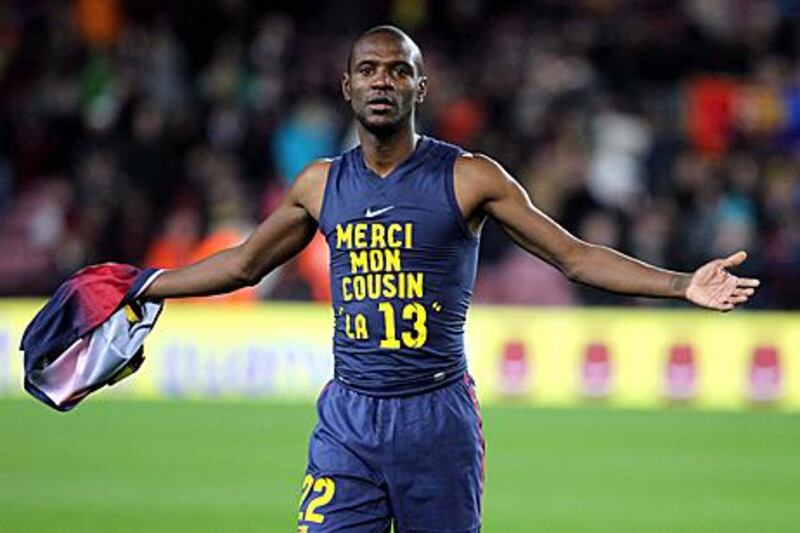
<point>383,84</point>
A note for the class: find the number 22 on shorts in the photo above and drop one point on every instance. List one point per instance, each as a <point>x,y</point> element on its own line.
<point>324,488</point>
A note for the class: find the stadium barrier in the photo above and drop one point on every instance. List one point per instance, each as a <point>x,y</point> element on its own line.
<point>545,357</point>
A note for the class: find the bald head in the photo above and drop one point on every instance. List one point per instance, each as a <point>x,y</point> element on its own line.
<point>384,81</point>
<point>393,32</point>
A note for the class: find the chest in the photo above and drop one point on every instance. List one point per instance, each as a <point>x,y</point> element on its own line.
<point>389,221</point>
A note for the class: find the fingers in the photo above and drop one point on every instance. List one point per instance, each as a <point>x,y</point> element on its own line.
<point>738,295</point>
<point>728,304</point>
<point>735,296</point>
<point>743,292</point>
<point>735,259</point>
<point>737,299</point>
<point>747,282</point>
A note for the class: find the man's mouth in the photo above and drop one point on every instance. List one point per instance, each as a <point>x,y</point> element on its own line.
<point>380,104</point>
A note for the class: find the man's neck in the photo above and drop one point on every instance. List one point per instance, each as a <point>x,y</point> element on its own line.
<point>383,154</point>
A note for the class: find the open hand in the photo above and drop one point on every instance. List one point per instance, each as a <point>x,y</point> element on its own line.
<point>712,286</point>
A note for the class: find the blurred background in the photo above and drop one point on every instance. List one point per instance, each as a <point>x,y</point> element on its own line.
<point>156,133</point>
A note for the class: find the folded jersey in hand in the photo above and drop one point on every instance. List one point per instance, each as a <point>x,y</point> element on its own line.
<point>89,334</point>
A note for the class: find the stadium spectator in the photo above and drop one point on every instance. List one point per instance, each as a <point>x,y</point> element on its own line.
<point>685,111</point>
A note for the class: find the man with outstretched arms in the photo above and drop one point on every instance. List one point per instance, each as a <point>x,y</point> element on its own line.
<point>399,434</point>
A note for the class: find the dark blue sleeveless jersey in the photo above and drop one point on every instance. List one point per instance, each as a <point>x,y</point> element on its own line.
<point>402,263</point>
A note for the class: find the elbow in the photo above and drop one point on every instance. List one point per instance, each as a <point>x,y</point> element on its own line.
<point>246,271</point>
<point>572,272</point>
<point>248,277</point>
<point>574,264</point>
<point>245,279</point>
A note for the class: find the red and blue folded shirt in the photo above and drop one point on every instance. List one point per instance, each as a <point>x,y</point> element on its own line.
<point>89,334</point>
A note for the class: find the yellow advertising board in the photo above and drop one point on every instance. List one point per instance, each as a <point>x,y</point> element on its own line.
<point>636,358</point>
<point>546,357</point>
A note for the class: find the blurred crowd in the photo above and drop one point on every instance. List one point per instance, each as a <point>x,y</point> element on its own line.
<point>157,133</point>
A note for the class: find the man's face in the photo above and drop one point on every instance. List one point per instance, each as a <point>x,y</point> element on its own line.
<point>383,84</point>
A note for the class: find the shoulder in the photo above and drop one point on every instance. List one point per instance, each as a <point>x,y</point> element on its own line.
<point>471,163</point>
<point>315,172</point>
<point>309,185</point>
<point>482,174</point>
<point>312,177</point>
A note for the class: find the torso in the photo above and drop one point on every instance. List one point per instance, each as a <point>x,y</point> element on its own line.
<point>403,261</point>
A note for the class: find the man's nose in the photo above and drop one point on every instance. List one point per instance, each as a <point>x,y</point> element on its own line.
<point>381,80</point>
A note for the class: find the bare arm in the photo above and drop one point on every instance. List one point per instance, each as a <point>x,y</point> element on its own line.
<point>277,239</point>
<point>500,196</point>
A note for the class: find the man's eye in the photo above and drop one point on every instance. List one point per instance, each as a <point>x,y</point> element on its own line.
<point>365,70</point>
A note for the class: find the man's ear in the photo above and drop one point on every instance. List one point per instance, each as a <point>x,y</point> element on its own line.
<point>346,86</point>
<point>422,89</point>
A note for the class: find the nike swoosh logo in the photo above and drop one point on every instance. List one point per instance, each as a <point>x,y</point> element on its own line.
<point>369,213</point>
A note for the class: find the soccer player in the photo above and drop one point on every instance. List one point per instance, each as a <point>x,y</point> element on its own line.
<point>399,441</point>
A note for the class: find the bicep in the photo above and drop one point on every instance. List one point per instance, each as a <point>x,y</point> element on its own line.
<point>509,204</point>
<point>277,239</point>
<point>291,227</point>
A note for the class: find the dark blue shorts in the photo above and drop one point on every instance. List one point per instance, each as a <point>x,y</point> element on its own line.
<point>415,462</point>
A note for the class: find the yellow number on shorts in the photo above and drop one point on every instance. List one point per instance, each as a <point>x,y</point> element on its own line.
<point>308,481</point>
<point>413,311</point>
<point>326,489</point>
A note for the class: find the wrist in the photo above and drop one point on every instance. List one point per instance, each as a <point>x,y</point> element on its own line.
<point>149,291</point>
<point>679,285</point>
